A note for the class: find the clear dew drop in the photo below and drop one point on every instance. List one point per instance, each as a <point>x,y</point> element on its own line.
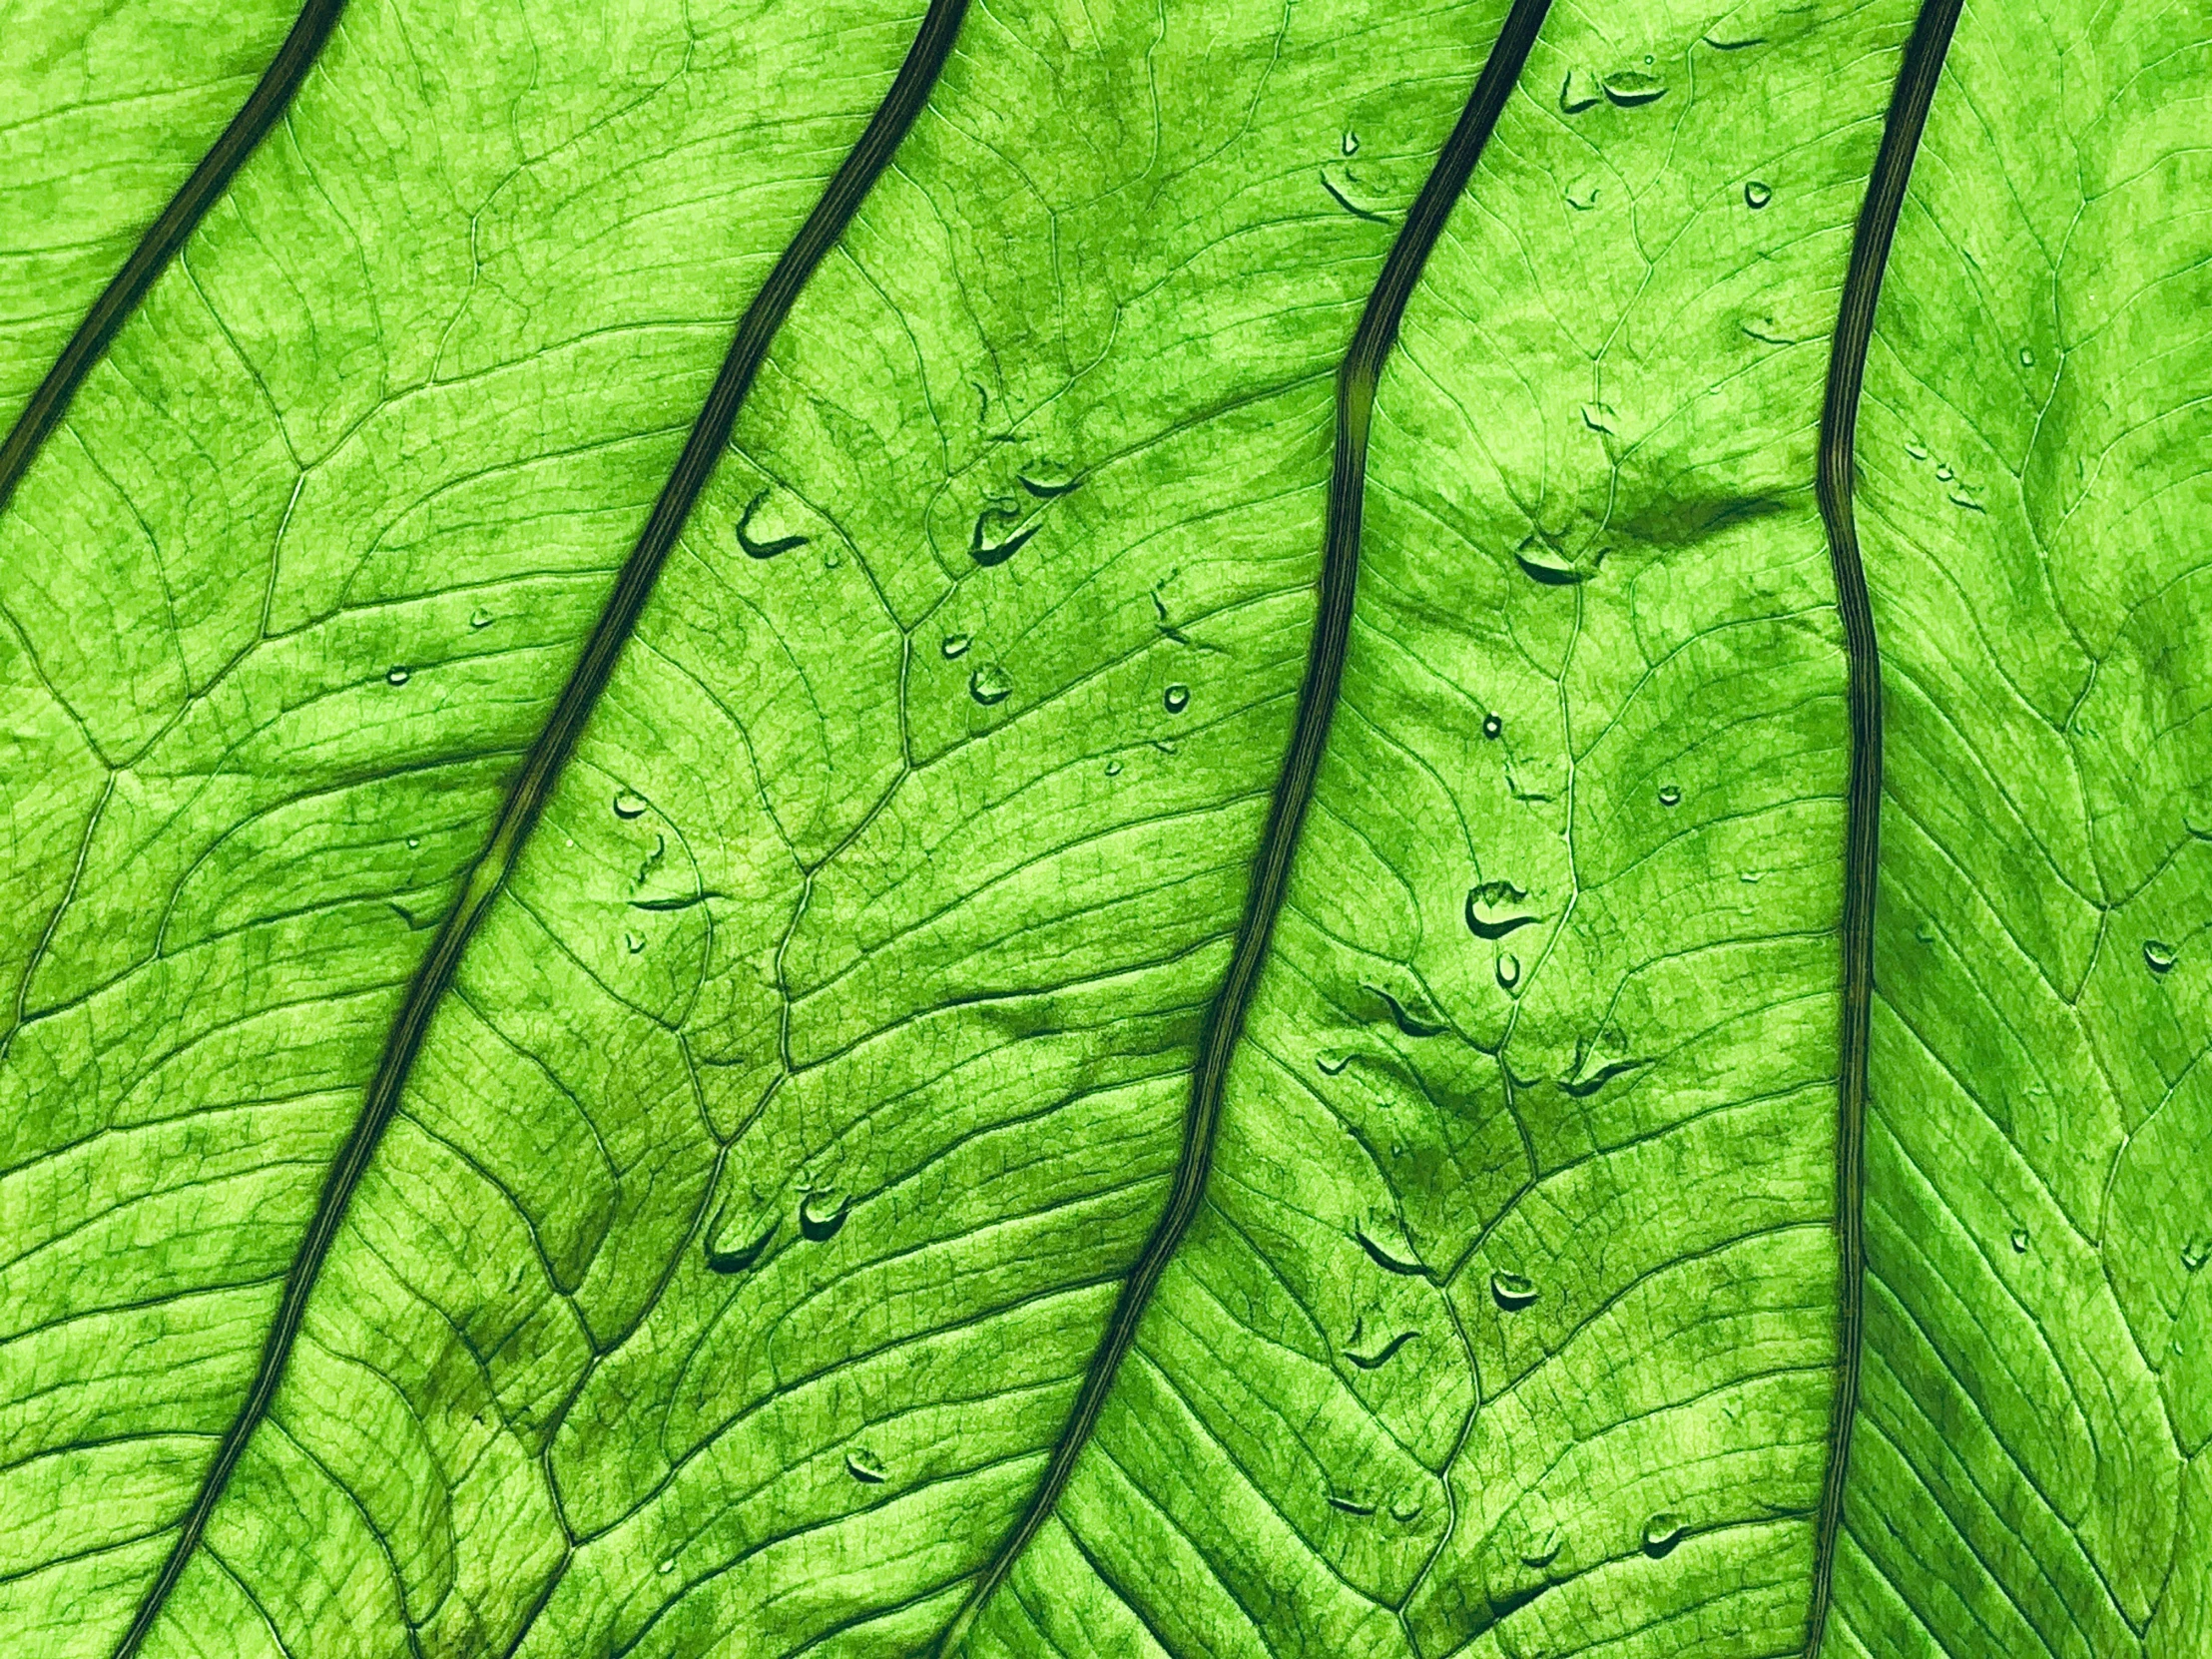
<point>1661,1533</point>
<point>2158,956</point>
<point>2197,1252</point>
<point>1508,970</point>
<point>1351,142</point>
<point>480,618</point>
<point>413,842</point>
<point>1175,698</point>
<point>955,645</point>
<point>1918,451</point>
<point>669,1565</point>
<point>988,685</point>
<point>832,558</point>
<point>1756,194</point>
<point>633,941</point>
<point>629,804</point>
<point>2027,357</point>
<point>1543,1550</point>
<point>1512,1290</point>
<point>397,676</point>
<point>1492,727</point>
<point>1925,933</point>
<point>1113,769</point>
<point>1670,797</point>
<point>1631,89</point>
<point>2019,1241</point>
<point>1944,473</point>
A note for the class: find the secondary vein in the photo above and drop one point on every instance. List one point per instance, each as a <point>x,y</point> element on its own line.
<point>1357,376</point>
<point>533,786</point>
<point>270,97</point>
<point>1846,368</point>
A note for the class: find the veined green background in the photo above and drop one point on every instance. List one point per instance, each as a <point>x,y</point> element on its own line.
<point>888,886</point>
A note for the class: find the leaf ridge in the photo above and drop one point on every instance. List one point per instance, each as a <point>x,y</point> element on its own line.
<point>1846,367</point>
<point>1357,377</point>
<point>533,785</point>
<point>263,109</point>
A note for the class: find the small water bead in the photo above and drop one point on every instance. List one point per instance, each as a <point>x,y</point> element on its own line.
<point>1661,1533</point>
<point>397,676</point>
<point>2197,1252</point>
<point>1545,1550</point>
<point>669,1565</point>
<point>2027,357</point>
<point>955,645</point>
<point>1113,769</point>
<point>1352,142</point>
<point>1177,698</point>
<point>1918,451</point>
<point>413,842</point>
<point>480,618</point>
<point>1633,88</point>
<point>1508,970</point>
<point>1492,727</point>
<point>1513,1290</point>
<point>988,685</point>
<point>1944,473</point>
<point>2019,1241</point>
<point>2158,956</point>
<point>633,941</point>
<point>629,804</point>
<point>1670,797</point>
<point>1756,194</point>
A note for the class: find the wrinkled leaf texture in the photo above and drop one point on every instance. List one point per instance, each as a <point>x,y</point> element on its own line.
<point>766,1180</point>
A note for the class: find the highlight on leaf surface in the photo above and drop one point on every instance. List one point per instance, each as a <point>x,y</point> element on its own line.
<point>1172,830</point>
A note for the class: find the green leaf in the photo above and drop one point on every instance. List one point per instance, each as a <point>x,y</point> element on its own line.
<point>559,1108</point>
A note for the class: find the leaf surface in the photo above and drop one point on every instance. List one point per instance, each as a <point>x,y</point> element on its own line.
<point>765,1185</point>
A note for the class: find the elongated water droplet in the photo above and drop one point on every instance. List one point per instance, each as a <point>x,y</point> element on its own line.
<point>1495,909</point>
<point>743,1256</point>
<point>755,548</point>
<point>988,685</point>
<point>1670,797</point>
<point>1332,1061</point>
<point>1578,92</point>
<point>2019,1241</point>
<point>1352,142</point>
<point>1513,1290</point>
<point>1756,194</point>
<point>633,941</point>
<point>1944,473</point>
<point>629,804</point>
<point>1545,1550</point>
<point>1631,89</point>
<point>669,1565</point>
<point>1582,196</point>
<point>1177,698</point>
<point>1508,970</point>
<point>397,676</point>
<point>1492,727</point>
<point>955,645</point>
<point>480,618</point>
<point>864,1467</point>
<point>2158,956</point>
<point>1661,1533</point>
<point>1918,451</point>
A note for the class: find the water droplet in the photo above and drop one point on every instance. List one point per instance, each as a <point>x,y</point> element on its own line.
<point>633,943</point>
<point>1545,1550</point>
<point>1495,909</point>
<point>1661,1533</point>
<point>988,685</point>
<point>1598,417</point>
<point>1113,769</point>
<point>832,559</point>
<point>1925,933</point>
<point>1944,473</point>
<point>955,645</point>
<point>758,549</point>
<point>2197,1252</point>
<point>864,1467</point>
<point>1632,88</point>
<point>1756,194</point>
<point>738,1260</point>
<point>1177,698</point>
<point>1918,451</point>
<point>1352,142</point>
<point>1670,797</point>
<point>1547,565</point>
<point>995,514</point>
<point>2027,357</point>
<point>629,804</point>
<point>669,1565</point>
<point>1582,196</point>
<point>1578,92</point>
<point>2019,1241</point>
<point>1332,1062</point>
<point>1492,726</point>
<point>1513,1290</point>
<point>397,676</point>
<point>818,1227</point>
<point>2158,956</point>
<point>1508,970</point>
<point>480,618</point>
